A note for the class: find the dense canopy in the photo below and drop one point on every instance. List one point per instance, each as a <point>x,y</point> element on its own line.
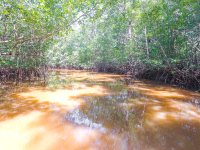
<point>107,35</point>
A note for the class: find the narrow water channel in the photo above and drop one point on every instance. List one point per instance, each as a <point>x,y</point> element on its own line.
<point>81,110</point>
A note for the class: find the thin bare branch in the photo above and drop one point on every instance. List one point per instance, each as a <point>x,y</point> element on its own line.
<point>10,34</point>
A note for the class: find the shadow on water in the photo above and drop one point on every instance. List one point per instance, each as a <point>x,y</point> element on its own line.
<point>83,110</point>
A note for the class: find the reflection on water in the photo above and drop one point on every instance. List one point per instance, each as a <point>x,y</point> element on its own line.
<point>86,110</point>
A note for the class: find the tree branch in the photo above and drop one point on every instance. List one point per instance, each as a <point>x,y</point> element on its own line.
<point>46,35</point>
<point>10,34</point>
<point>1,42</point>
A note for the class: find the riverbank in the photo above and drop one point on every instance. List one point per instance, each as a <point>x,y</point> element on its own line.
<point>18,74</point>
<point>185,79</point>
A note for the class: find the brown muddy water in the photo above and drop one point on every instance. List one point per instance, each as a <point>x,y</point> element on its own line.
<point>79,110</point>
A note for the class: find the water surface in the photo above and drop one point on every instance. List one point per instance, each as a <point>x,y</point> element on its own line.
<point>81,110</point>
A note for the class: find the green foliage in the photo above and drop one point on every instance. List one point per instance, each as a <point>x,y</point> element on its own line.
<point>113,33</point>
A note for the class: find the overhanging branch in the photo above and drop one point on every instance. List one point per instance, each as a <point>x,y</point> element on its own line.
<point>46,35</point>
<point>1,42</point>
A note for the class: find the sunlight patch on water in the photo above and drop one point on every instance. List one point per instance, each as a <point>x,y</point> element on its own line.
<point>38,130</point>
<point>69,98</point>
<point>157,107</point>
<point>99,77</point>
<point>160,115</point>
<point>14,133</point>
<point>186,110</point>
<point>157,93</point>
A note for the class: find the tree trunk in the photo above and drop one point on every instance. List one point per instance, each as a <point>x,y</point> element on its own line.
<point>147,43</point>
<point>129,31</point>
